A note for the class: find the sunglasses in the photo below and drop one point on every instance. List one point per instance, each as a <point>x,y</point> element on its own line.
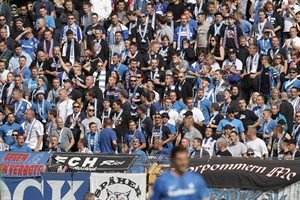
<point>76,106</point>
<point>165,117</point>
<point>91,110</point>
<point>278,58</point>
<point>132,80</point>
<point>138,77</point>
<point>14,135</point>
<point>230,113</point>
<point>250,154</point>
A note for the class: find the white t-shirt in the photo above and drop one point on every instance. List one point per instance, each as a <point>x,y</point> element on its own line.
<point>288,18</point>
<point>65,108</point>
<point>259,147</point>
<point>238,64</point>
<point>209,145</point>
<point>33,130</point>
<point>173,114</point>
<point>197,114</point>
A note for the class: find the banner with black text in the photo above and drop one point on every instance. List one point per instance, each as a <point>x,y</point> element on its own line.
<point>118,186</point>
<point>255,174</point>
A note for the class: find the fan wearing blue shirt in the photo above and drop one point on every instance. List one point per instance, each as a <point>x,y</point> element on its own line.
<point>204,105</point>
<point>7,129</point>
<point>108,138</point>
<point>93,138</point>
<point>138,167</point>
<point>131,134</point>
<point>179,184</point>
<point>41,106</point>
<point>267,126</point>
<point>20,104</point>
<point>21,145</point>
<point>236,123</point>
<point>22,70</point>
<point>117,65</point>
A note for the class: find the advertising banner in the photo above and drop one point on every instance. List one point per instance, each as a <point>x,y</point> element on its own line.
<point>47,187</point>
<point>19,164</point>
<point>95,162</point>
<point>118,186</point>
<point>255,174</point>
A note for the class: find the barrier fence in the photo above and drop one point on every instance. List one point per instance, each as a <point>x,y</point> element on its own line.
<point>227,178</point>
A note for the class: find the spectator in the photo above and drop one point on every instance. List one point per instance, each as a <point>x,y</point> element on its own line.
<point>222,146</point>
<point>82,146</point>
<point>93,138</point>
<point>108,138</point>
<point>34,131</point>
<point>198,151</point>
<point>21,145</point>
<point>236,148</point>
<point>64,134</point>
<point>258,145</point>
<point>293,150</point>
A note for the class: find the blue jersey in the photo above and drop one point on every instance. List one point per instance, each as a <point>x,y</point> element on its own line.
<point>190,186</point>
<point>137,134</point>
<point>106,137</point>
<point>25,73</point>
<point>138,167</point>
<point>41,109</point>
<point>6,132</point>
<point>24,148</point>
<point>30,46</point>
<point>178,106</point>
<point>20,108</point>
<point>31,84</point>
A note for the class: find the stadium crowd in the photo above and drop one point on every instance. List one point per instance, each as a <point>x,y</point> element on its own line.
<point>219,78</point>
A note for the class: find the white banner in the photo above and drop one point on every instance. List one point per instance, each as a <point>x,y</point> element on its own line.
<point>118,186</point>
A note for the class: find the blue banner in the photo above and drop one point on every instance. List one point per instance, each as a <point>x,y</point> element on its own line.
<point>19,164</point>
<point>47,187</point>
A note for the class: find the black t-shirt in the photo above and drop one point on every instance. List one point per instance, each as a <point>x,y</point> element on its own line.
<point>196,153</point>
<point>90,36</point>
<point>75,94</point>
<point>121,124</point>
<point>248,117</point>
<point>160,132</point>
<point>224,153</point>
<point>143,43</point>
<point>176,9</point>
<point>265,83</point>
<point>146,125</point>
<point>230,36</point>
